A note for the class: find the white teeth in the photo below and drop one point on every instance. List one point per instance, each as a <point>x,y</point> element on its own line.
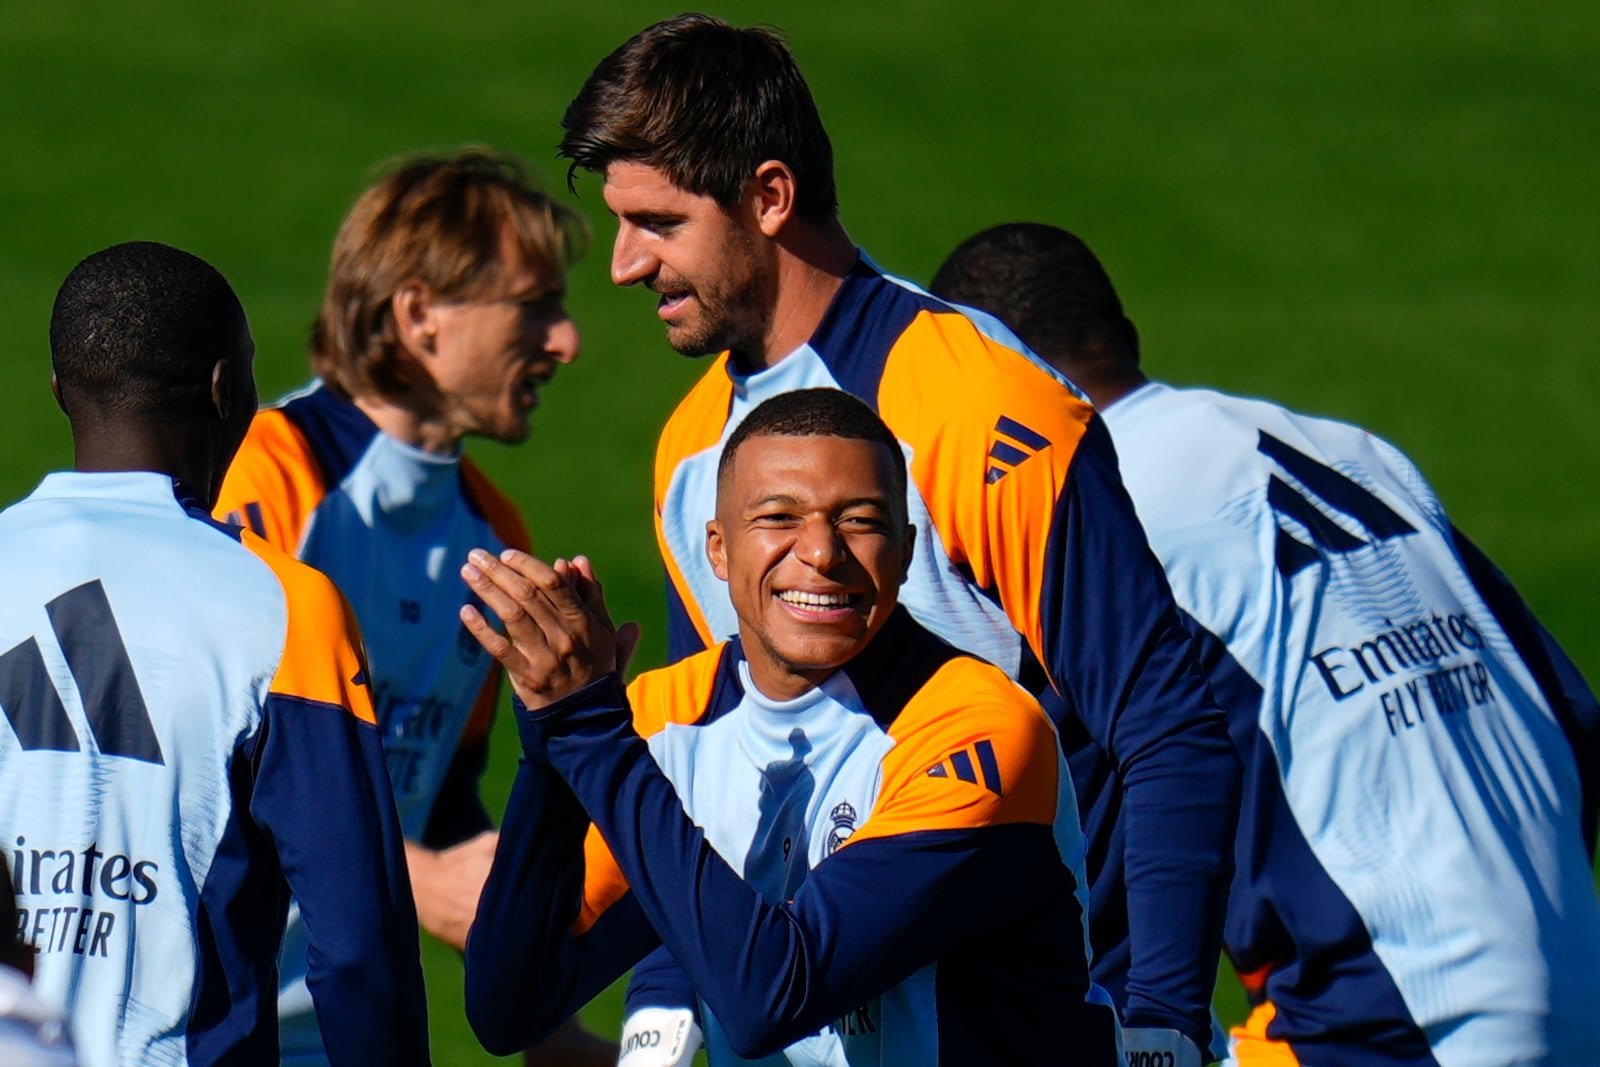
<point>814,600</point>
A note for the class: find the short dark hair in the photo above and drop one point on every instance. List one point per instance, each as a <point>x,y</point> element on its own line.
<point>705,103</point>
<point>438,221</point>
<point>817,413</point>
<point>137,328</point>
<point>1046,285</point>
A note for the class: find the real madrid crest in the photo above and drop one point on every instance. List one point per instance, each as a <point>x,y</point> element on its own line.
<point>844,824</point>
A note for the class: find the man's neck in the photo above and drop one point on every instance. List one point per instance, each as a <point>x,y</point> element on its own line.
<point>116,450</point>
<point>812,265</point>
<point>1105,392</point>
<point>408,426</point>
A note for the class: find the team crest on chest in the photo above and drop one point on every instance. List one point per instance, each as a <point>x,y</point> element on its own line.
<point>843,816</point>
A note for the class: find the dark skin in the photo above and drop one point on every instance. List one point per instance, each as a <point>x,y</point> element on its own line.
<point>196,451</point>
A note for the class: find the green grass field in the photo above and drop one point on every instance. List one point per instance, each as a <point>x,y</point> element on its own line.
<point>1384,213</point>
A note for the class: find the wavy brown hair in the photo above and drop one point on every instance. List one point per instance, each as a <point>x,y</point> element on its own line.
<point>437,221</point>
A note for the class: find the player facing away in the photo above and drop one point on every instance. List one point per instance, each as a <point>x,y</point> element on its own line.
<point>188,732</point>
<point>443,319</point>
<point>859,842</point>
<point>1414,853</point>
<point>718,169</point>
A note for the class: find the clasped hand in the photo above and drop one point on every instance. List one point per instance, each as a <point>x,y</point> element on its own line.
<point>558,634</point>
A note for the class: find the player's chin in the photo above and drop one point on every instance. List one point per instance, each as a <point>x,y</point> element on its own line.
<point>511,428</point>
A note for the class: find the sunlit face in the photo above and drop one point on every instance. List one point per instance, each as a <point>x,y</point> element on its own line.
<point>812,540</point>
<point>492,354</point>
<point>715,291</point>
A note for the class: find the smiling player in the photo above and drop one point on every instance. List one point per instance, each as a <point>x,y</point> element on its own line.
<point>859,843</point>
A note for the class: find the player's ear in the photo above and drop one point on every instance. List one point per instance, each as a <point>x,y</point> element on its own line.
<point>416,318</point>
<point>221,394</point>
<point>716,549</point>
<point>55,391</point>
<point>773,191</point>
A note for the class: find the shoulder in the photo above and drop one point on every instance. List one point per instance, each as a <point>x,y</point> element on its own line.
<point>274,482</point>
<point>496,508</point>
<point>322,658</point>
<point>972,749</point>
<point>950,372</point>
<point>682,693</point>
<point>696,424</point>
<point>275,446</point>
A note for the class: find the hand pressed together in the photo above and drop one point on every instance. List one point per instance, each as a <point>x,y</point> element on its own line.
<point>558,635</point>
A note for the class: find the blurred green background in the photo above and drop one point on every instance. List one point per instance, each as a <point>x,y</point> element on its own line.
<point>1381,212</point>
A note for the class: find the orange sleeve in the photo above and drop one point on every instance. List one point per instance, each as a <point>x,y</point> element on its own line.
<point>323,657</point>
<point>972,749</point>
<point>695,426</point>
<point>992,436</point>
<point>274,483</point>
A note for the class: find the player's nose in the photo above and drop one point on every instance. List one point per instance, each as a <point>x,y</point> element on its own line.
<point>561,340</point>
<point>631,262</point>
<point>819,545</point>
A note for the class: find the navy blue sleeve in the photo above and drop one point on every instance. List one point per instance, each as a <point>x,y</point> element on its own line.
<point>322,794</point>
<point>773,973</point>
<point>658,982</point>
<point>1126,669</point>
<point>526,970</point>
<point>1559,679</point>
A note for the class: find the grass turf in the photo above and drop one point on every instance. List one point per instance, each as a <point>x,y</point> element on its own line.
<point>1380,213</point>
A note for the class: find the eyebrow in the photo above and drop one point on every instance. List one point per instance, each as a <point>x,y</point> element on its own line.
<point>882,503</point>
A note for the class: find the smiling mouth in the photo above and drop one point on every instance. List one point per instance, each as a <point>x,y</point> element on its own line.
<point>670,302</point>
<point>819,602</point>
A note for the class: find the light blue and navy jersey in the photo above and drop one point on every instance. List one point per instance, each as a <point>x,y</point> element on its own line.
<point>1413,885</point>
<point>1028,554</point>
<point>885,870</point>
<point>183,707</point>
<point>391,525</point>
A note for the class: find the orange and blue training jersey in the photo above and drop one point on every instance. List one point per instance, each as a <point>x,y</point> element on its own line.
<point>884,870</point>
<point>188,738</point>
<point>1029,554</point>
<point>391,525</point>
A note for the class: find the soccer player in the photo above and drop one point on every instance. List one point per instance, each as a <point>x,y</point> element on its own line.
<point>443,319</point>
<point>189,736</point>
<point>859,843</point>
<point>1414,855</point>
<point>718,169</point>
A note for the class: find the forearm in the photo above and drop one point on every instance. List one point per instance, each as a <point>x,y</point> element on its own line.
<point>526,970</point>
<point>1114,641</point>
<point>1180,807</point>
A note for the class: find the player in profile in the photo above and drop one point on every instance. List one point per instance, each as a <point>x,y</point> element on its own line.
<point>1414,853</point>
<point>443,319</point>
<point>718,169</point>
<point>189,736</point>
<point>859,842</point>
